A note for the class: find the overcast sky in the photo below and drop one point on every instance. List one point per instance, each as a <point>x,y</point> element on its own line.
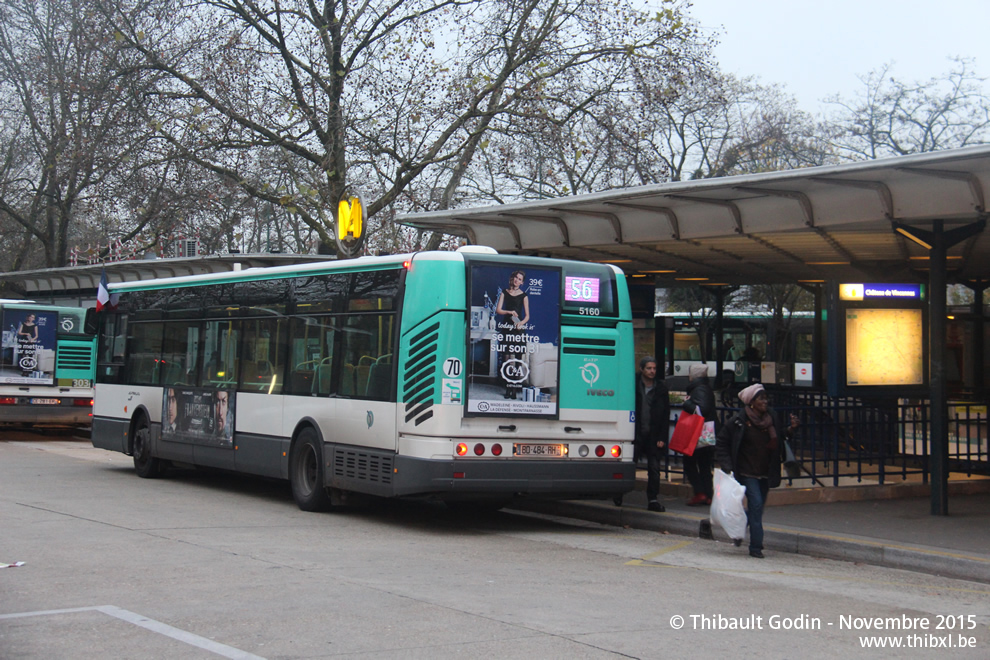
<point>818,48</point>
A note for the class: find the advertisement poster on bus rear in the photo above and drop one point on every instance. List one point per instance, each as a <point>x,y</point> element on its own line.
<point>29,344</point>
<point>514,340</point>
<point>198,416</point>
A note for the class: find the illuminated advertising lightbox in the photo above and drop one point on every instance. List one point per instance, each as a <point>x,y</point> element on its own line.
<point>884,347</point>
<point>877,339</point>
<point>514,338</point>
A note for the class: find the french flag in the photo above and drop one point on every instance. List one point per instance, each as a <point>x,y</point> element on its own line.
<point>103,297</point>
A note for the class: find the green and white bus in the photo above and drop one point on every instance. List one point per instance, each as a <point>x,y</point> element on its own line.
<point>47,365</point>
<point>394,376</point>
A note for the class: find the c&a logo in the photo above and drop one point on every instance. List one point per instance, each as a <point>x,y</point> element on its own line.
<point>515,371</point>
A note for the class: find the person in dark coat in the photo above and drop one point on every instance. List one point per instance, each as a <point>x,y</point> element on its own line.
<point>750,446</point>
<point>652,428</point>
<point>698,467</point>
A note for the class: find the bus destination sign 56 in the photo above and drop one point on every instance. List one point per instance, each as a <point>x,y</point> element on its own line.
<point>581,289</point>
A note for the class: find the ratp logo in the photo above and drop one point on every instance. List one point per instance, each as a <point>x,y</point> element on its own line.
<point>590,373</point>
<point>370,418</point>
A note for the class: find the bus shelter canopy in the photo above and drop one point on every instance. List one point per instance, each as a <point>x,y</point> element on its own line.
<point>823,223</point>
<point>76,279</point>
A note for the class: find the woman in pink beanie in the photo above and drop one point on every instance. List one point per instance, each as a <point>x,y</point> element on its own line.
<point>751,446</point>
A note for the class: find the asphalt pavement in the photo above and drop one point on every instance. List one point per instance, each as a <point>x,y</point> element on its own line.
<point>889,526</point>
<point>878,527</point>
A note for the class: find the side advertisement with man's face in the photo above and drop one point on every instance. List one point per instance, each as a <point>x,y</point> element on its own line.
<point>514,340</point>
<point>198,416</point>
<point>29,346</point>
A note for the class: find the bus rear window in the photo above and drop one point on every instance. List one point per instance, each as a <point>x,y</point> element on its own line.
<point>72,322</point>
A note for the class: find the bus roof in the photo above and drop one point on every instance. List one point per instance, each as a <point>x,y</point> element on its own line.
<point>30,304</point>
<point>329,266</point>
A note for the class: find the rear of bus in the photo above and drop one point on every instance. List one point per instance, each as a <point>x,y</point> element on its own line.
<point>47,365</point>
<point>491,407</point>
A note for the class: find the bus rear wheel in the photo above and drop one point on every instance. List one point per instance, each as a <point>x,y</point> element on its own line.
<point>306,473</point>
<point>145,465</point>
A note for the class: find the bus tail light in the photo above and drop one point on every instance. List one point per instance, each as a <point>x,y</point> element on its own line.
<point>616,451</point>
<point>7,400</point>
<point>496,450</point>
<point>461,449</point>
<point>83,402</point>
<point>479,449</point>
<point>599,451</point>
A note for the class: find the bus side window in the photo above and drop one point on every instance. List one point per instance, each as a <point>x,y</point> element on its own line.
<point>179,347</point>
<point>110,355</point>
<point>310,356</point>
<point>144,352</point>
<point>367,374</point>
<point>219,364</point>
<point>263,360</point>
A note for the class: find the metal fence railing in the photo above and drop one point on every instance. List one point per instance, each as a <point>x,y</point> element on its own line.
<point>849,441</point>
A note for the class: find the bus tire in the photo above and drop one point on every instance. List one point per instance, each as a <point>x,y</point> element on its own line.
<point>306,472</point>
<point>145,465</point>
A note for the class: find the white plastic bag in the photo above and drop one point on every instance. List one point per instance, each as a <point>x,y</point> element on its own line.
<point>727,505</point>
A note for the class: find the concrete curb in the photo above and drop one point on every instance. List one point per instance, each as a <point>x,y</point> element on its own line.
<point>920,559</point>
<point>825,495</point>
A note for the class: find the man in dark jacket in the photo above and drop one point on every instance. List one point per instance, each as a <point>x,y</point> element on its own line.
<point>652,428</point>
<point>751,445</point>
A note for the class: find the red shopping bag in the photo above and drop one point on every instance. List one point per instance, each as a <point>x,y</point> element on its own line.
<point>686,433</point>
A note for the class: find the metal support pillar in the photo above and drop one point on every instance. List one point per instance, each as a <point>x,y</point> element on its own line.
<point>938,241</point>
<point>936,373</point>
<point>818,342</point>
<point>720,293</point>
<point>660,346</point>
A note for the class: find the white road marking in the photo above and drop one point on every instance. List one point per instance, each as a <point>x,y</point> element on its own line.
<point>183,636</point>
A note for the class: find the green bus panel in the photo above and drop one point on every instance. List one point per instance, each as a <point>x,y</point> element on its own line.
<point>593,361</point>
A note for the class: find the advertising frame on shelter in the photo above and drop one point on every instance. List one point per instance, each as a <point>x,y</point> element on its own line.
<point>878,339</point>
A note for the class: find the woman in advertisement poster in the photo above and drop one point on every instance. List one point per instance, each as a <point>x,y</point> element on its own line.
<point>27,348</point>
<point>28,331</point>
<point>513,306</point>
